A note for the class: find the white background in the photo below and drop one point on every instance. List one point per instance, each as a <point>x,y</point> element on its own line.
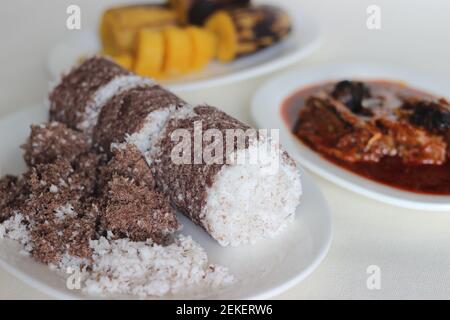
<point>411,248</point>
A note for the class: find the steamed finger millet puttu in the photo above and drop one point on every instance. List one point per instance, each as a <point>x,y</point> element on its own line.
<point>57,212</point>
<point>130,206</point>
<point>235,203</point>
<point>135,211</point>
<point>100,213</point>
<point>49,141</point>
<point>70,194</point>
<point>129,163</point>
<point>10,196</point>
<point>103,202</point>
<point>136,117</point>
<point>80,95</point>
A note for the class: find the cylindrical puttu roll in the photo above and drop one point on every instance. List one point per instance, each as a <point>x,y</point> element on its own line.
<point>135,116</point>
<point>235,203</point>
<point>79,97</point>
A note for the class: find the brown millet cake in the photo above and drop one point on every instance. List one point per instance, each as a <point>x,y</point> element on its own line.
<point>110,195</point>
<point>127,162</point>
<point>56,207</point>
<point>101,186</point>
<point>81,207</point>
<point>11,196</point>
<point>81,94</point>
<point>136,211</point>
<point>228,199</point>
<point>131,206</point>
<point>71,96</point>
<point>52,140</point>
<point>105,218</point>
<point>134,117</point>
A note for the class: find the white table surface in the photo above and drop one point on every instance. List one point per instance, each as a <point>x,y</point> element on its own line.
<point>412,248</point>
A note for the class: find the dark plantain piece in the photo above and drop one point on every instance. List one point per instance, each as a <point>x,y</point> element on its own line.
<point>430,115</point>
<point>197,11</point>
<point>245,30</point>
<point>352,94</point>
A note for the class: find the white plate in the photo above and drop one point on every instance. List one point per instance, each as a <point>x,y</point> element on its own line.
<point>303,40</point>
<point>266,107</point>
<point>262,270</point>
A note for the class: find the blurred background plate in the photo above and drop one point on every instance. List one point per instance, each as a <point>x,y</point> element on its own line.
<point>303,40</point>
<point>266,112</point>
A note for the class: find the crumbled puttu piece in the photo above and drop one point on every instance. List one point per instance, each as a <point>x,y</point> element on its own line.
<point>127,162</point>
<point>82,89</point>
<point>88,169</point>
<point>10,196</point>
<point>66,231</point>
<point>61,213</point>
<point>57,180</point>
<point>135,116</point>
<point>53,140</point>
<point>135,211</point>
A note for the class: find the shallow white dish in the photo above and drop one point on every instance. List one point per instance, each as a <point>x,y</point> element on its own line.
<point>303,40</point>
<point>266,112</point>
<point>262,271</point>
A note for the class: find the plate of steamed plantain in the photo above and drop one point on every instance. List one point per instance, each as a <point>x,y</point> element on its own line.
<point>193,44</point>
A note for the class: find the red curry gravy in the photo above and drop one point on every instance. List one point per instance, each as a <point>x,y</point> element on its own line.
<point>391,171</point>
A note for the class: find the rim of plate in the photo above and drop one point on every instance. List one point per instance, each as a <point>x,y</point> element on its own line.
<point>270,96</point>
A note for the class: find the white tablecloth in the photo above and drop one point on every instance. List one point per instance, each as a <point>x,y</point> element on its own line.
<point>411,248</point>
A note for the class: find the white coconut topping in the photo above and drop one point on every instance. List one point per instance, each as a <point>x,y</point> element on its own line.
<point>146,139</point>
<point>116,86</point>
<point>69,263</point>
<point>133,268</point>
<point>54,189</point>
<point>146,269</point>
<point>15,228</point>
<point>251,201</point>
<point>64,211</point>
<point>159,124</point>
